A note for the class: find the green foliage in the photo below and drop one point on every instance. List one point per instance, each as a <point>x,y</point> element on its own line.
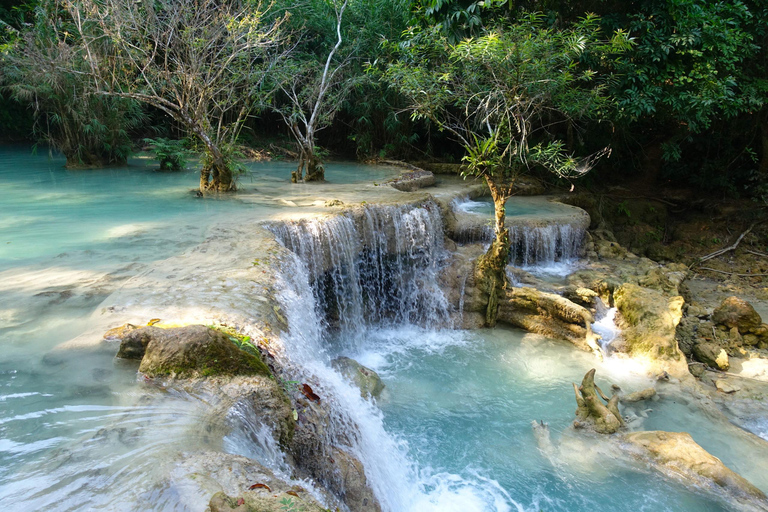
<point>689,62</point>
<point>45,68</point>
<point>503,94</point>
<point>171,154</point>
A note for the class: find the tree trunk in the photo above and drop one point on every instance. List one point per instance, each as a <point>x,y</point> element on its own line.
<point>217,176</point>
<point>490,270</point>
<point>764,140</point>
<point>315,169</point>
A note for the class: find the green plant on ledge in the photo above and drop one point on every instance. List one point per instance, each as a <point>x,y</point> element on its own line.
<point>171,154</point>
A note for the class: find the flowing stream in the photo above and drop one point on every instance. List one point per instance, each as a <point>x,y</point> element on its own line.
<point>452,430</point>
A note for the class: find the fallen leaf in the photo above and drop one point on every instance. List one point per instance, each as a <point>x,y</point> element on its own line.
<point>292,493</point>
<point>309,393</point>
<point>259,486</point>
<point>241,501</point>
<point>153,321</point>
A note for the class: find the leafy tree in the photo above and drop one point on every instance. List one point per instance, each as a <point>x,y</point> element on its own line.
<point>202,62</point>
<point>45,68</point>
<point>313,84</point>
<point>502,96</point>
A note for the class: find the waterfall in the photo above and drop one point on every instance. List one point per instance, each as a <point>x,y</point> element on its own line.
<point>355,276</point>
<point>372,266</point>
<point>545,245</point>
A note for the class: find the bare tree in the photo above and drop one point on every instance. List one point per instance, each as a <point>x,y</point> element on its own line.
<point>314,96</point>
<point>199,61</point>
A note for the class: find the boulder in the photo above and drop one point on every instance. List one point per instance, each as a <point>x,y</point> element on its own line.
<point>413,180</point>
<point>550,315</point>
<point>354,491</point>
<point>712,355</point>
<point>648,320</point>
<point>367,380</point>
<point>133,342</point>
<point>316,448</point>
<point>738,313</point>
<point>726,387</point>
<point>264,499</point>
<point>677,454</point>
<point>189,352</point>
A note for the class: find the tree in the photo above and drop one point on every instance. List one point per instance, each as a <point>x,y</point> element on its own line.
<point>201,62</point>
<point>503,96</point>
<point>45,68</point>
<point>692,66</point>
<point>314,91</point>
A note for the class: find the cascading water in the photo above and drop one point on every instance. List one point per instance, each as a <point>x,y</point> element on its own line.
<point>376,267</point>
<point>545,246</point>
<point>370,279</point>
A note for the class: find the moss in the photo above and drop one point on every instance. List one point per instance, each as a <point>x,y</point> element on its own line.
<point>190,352</point>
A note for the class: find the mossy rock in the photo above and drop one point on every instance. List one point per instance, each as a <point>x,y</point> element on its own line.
<point>195,351</point>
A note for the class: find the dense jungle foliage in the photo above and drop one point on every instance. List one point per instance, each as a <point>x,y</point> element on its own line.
<point>677,89</point>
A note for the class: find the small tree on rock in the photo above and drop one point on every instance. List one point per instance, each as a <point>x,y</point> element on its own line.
<point>505,96</point>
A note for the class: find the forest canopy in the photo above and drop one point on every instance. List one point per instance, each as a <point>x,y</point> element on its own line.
<point>683,101</point>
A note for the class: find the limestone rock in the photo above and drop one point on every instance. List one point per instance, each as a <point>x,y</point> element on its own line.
<point>726,387</point>
<point>413,180</point>
<point>355,491</point>
<point>133,342</point>
<point>580,295</point>
<point>649,320</point>
<point>118,333</point>
<point>548,314</point>
<point>678,454</point>
<point>191,351</point>
<point>738,313</point>
<point>364,378</point>
<point>712,355</point>
<point>341,473</point>
<point>263,500</point>
<point>639,396</point>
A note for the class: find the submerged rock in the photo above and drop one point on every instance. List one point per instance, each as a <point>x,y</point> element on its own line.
<point>676,453</point>
<point>364,378</point>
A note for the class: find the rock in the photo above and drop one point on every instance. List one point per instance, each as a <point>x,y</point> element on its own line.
<point>550,315</point>
<point>649,321</point>
<point>316,449</point>
<point>263,500</point>
<point>726,387</point>
<point>367,380</point>
<point>580,295</point>
<point>662,280</point>
<point>711,354</point>
<point>686,334</point>
<point>133,342</point>
<point>697,369</point>
<point>189,352</point>
<point>734,312</point>
<point>678,454</point>
<point>413,180</point>
<point>118,333</point>
<point>333,202</point>
<point>355,491</point>
<point>638,396</point>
